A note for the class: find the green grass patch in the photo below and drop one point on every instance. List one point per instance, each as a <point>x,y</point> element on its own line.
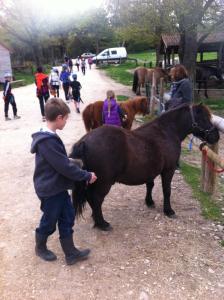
<point>210,209</point>
<point>146,56</point>
<point>27,76</point>
<point>207,56</point>
<point>216,104</point>
<point>120,72</point>
<point>122,98</point>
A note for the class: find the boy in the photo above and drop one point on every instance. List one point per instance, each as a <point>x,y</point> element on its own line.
<point>76,86</point>
<point>54,174</point>
<point>8,97</point>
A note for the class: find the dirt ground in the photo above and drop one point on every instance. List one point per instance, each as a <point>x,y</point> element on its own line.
<point>147,255</point>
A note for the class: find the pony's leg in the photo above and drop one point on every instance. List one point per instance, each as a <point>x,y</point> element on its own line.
<point>95,198</point>
<point>138,90</point>
<point>148,199</point>
<point>166,184</point>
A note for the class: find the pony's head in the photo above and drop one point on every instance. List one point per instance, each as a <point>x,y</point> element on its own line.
<point>141,105</point>
<point>201,124</point>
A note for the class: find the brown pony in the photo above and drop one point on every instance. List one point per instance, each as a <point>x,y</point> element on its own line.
<point>92,114</point>
<point>143,75</point>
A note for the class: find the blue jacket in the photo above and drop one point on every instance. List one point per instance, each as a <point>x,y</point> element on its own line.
<point>64,76</point>
<point>181,92</point>
<point>54,172</point>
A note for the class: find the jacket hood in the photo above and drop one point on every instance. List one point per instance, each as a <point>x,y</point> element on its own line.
<point>40,136</point>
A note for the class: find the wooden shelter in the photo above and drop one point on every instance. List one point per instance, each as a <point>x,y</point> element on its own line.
<point>214,42</point>
<point>5,62</point>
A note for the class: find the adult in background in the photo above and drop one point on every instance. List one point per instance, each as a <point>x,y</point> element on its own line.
<point>70,65</point>
<point>77,63</point>
<point>42,91</point>
<point>181,87</point>
<point>90,62</point>
<point>64,77</point>
<point>83,66</point>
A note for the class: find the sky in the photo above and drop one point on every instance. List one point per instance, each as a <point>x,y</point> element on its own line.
<point>67,7</point>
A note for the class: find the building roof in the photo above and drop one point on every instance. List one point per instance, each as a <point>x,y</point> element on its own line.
<point>172,40</point>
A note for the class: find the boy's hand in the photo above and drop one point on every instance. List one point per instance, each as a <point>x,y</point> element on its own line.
<point>93,178</point>
<point>4,98</point>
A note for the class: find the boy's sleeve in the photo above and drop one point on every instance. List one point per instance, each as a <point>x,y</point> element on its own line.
<point>52,152</point>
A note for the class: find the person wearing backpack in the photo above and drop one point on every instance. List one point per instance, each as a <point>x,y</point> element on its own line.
<point>54,82</point>
<point>76,86</point>
<point>42,90</point>
<point>64,77</point>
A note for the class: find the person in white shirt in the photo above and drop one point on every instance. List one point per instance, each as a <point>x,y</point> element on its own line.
<point>54,82</point>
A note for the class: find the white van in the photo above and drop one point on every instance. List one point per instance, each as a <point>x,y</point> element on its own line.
<point>111,55</point>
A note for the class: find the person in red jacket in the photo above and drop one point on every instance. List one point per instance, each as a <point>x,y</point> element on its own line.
<point>42,84</point>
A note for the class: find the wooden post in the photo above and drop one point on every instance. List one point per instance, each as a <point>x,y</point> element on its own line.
<point>208,176</point>
<point>201,56</point>
<point>161,93</point>
<point>153,93</point>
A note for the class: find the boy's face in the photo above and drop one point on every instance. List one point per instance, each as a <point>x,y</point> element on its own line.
<point>61,121</point>
<point>8,78</point>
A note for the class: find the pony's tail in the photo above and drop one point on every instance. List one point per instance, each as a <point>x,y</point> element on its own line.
<point>135,82</point>
<point>79,191</point>
<point>87,117</point>
<point>79,197</point>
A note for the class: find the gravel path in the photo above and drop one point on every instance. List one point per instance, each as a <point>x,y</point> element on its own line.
<point>146,256</point>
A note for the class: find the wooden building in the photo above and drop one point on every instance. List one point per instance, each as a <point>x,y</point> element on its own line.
<point>5,62</point>
<point>169,45</point>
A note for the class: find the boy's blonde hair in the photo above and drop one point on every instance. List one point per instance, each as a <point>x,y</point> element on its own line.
<point>110,95</point>
<point>55,107</point>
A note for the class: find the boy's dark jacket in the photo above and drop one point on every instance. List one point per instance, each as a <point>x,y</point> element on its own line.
<point>54,172</point>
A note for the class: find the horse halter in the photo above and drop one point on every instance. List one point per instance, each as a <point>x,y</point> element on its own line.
<point>196,126</point>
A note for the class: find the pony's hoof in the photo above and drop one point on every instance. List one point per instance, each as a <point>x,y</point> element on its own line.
<point>150,205</point>
<point>170,213</point>
<point>104,227</point>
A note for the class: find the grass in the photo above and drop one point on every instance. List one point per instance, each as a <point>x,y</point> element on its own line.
<point>217,104</point>
<point>207,56</point>
<point>120,72</point>
<point>144,56</point>
<point>28,77</point>
<point>122,97</point>
<point>210,209</point>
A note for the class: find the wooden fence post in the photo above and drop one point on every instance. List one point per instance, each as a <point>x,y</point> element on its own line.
<point>208,176</point>
<point>153,93</point>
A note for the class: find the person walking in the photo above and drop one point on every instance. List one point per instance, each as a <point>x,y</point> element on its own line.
<point>77,63</point>
<point>42,90</point>
<point>9,98</point>
<point>64,77</point>
<point>54,174</point>
<point>76,86</point>
<point>83,66</point>
<point>54,82</point>
<point>90,62</point>
<point>70,65</point>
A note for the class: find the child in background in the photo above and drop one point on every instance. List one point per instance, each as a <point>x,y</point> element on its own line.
<point>112,113</point>
<point>76,86</point>
<point>9,98</point>
<point>54,82</point>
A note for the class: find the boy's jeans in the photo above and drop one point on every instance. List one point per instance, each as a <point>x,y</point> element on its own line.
<point>57,209</point>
